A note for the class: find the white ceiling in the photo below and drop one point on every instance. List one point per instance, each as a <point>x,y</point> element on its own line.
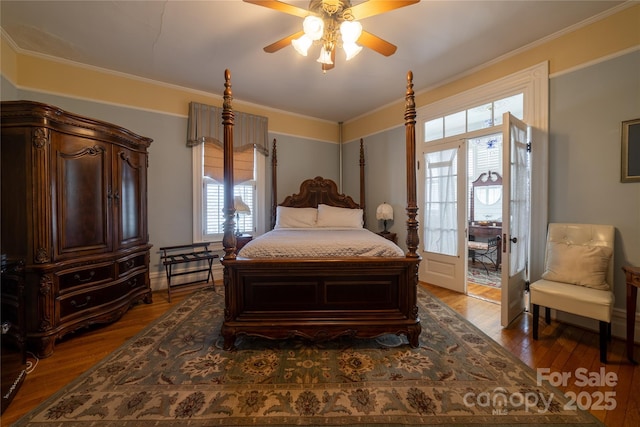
<point>191,43</point>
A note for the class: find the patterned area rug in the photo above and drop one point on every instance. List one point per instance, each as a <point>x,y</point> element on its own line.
<point>478,275</point>
<point>175,373</point>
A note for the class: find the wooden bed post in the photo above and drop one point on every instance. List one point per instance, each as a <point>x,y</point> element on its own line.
<point>362,192</point>
<point>229,238</point>
<point>274,183</point>
<point>410,136</point>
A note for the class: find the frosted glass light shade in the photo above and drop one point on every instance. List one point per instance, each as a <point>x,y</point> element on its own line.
<point>351,49</point>
<point>351,31</point>
<point>313,27</point>
<point>325,57</point>
<point>302,44</point>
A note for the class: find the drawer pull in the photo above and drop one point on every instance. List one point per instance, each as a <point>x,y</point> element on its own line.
<point>133,283</point>
<point>129,264</point>
<point>88,279</point>
<point>84,304</point>
<point>6,326</point>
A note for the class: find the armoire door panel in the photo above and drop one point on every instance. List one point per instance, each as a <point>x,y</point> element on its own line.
<point>130,176</point>
<point>83,195</point>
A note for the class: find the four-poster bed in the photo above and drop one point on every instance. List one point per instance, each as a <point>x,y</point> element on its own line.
<point>320,296</point>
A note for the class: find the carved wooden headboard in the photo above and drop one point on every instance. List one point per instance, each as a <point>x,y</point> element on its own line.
<point>319,191</point>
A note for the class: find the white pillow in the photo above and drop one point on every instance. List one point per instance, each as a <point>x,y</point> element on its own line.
<point>295,217</point>
<point>331,216</point>
<point>579,265</point>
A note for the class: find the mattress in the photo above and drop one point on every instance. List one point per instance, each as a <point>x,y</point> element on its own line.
<point>320,243</point>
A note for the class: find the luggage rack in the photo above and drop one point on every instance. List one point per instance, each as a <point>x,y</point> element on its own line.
<point>181,254</point>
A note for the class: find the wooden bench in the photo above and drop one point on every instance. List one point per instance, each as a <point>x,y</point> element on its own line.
<point>197,252</point>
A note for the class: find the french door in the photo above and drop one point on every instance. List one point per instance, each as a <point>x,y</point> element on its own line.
<point>444,222</point>
<point>443,218</point>
<point>516,219</point>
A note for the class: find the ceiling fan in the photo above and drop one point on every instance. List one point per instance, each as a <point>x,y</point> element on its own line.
<point>333,24</point>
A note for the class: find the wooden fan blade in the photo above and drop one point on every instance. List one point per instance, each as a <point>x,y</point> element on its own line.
<point>376,7</point>
<point>282,7</point>
<point>381,46</point>
<point>274,47</point>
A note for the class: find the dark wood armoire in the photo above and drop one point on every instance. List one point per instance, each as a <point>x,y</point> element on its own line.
<point>74,211</point>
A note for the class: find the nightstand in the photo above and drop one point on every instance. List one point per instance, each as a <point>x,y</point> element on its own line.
<point>389,236</point>
<point>242,240</point>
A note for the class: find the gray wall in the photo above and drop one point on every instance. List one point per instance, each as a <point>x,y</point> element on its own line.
<point>300,159</point>
<point>587,107</point>
<point>385,178</point>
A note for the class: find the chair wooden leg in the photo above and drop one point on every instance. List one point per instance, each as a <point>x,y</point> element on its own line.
<point>604,328</point>
<point>536,314</point>
<point>547,315</point>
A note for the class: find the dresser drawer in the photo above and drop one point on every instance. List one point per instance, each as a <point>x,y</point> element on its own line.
<point>76,303</point>
<point>87,275</point>
<point>131,263</point>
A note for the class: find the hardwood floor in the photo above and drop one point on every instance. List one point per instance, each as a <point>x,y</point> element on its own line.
<point>484,292</point>
<point>561,348</point>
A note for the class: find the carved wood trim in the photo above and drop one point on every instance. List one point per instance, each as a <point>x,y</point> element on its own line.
<point>41,194</point>
<point>319,191</point>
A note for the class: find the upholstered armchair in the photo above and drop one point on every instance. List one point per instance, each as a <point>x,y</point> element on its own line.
<point>578,276</point>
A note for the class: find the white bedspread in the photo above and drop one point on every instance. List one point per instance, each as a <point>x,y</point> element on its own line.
<point>319,242</point>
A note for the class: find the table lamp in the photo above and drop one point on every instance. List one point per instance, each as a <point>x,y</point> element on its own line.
<point>241,208</point>
<point>384,212</point>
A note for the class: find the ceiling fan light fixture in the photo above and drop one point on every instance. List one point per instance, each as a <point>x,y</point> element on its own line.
<point>313,27</point>
<point>351,49</point>
<point>325,57</point>
<point>302,44</point>
<point>332,24</point>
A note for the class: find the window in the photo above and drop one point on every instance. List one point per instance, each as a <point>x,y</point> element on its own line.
<point>213,202</point>
<point>209,199</point>
<point>250,147</point>
<point>479,117</point>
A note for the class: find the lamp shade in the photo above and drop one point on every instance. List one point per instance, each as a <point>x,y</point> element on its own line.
<point>384,211</point>
<point>325,56</point>
<point>351,49</point>
<point>302,44</point>
<point>313,27</point>
<point>241,207</point>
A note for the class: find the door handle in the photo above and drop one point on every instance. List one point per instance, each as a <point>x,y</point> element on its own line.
<point>504,238</point>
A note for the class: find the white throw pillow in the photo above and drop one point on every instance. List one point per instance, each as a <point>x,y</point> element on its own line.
<point>579,265</point>
<point>331,216</point>
<point>295,217</point>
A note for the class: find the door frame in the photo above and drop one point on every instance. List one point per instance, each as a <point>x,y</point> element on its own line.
<point>534,83</point>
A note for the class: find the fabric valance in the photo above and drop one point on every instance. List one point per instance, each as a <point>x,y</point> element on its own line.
<point>205,125</point>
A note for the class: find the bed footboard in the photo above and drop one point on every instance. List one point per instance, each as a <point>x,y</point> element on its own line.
<point>320,299</point>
